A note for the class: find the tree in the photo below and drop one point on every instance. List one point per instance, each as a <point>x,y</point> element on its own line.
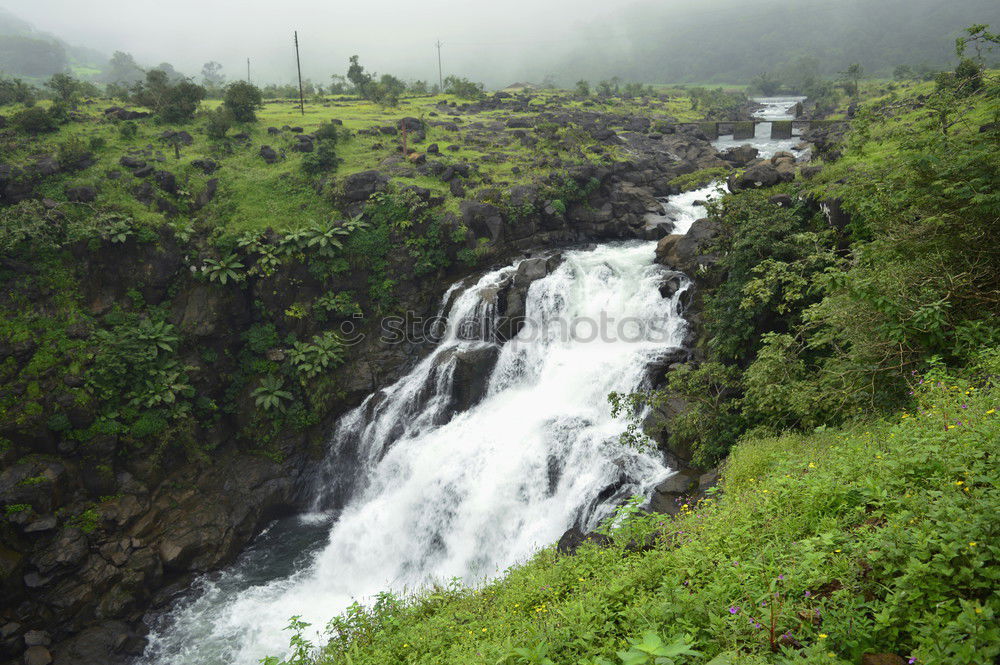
<point>122,69</point>
<point>463,87</point>
<point>64,87</point>
<point>338,85</point>
<point>211,75</point>
<point>851,78</point>
<point>172,102</point>
<point>358,77</point>
<point>583,88</point>
<point>242,101</point>
<point>16,91</point>
<point>767,84</point>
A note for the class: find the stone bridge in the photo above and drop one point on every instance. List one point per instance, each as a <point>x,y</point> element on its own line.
<point>780,129</point>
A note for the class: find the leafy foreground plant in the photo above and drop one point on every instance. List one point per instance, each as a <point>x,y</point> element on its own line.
<point>879,538</point>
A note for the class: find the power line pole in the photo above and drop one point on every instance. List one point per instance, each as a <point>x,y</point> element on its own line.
<point>298,63</point>
<point>440,71</point>
<point>248,70</point>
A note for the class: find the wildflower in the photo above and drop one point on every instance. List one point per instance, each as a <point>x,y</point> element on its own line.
<point>959,482</point>
<point>991,412</point>
<point>484,630</point>
<point>823,636</point>
<point>734,609</point>
<point>808,594</point>
<point>812,465</point>
<point>973,544</point>
<point>979,610</point>
<point>911,661</point>
<point>836,550</point>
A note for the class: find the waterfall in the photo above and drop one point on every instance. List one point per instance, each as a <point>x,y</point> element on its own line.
<point>432,492</point>
<point>772,108</point>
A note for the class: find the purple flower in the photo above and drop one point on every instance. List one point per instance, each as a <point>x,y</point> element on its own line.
<point>734,609</point>
<point>781,577</point>
<point>808,594</point>
<point>911,661</point>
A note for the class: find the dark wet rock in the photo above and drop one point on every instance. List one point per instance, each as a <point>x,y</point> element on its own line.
<point>574,538</point>
<point>360,186</point>
<point>143,171</point>
<point>672,493</point>
<point>207,166</point>
<point>835,214</point>
<point>740,155</point>
<point>205,196</point>
<point>471,377</point>
<point>482,219</point>
<point>81,194</point>
<point>166,180</point>
<point>119,113</point>
<point>781,200</point>
<point>179,137</point>
<point>37,655</point>
<point>689,253</point>
<point>761,175</point>
<point>268,154</point>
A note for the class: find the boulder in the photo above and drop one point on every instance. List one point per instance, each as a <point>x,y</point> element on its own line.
<point>740,155</point>
<point>81,194</point>
<point>482,219</point>
<point>882,659</point>
<point>360,186</point>
<point>268,154</point>
<point>671,494</point>
<point>166,180</point>
<point>471,375</point>
<point>37,655</point>
<point>689,252</point>
<point>207,166</point>
<point>761,175</point>
<point>571,541</point>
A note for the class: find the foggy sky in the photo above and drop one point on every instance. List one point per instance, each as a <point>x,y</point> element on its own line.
<point>502,41</point>
<point>394,36</point>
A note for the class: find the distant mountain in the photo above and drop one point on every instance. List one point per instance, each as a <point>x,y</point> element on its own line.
<point>29,52</point>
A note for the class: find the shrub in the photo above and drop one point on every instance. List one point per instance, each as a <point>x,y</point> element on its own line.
<point>34,120</point>
<point>219,122</point>
<point>242,100</point>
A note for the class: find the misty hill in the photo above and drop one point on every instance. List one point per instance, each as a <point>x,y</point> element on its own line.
<point>26,51</point>
<point>730,41</point>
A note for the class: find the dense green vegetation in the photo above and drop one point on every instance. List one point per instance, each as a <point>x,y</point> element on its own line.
<point>821,547</point>
<point>822,317</point>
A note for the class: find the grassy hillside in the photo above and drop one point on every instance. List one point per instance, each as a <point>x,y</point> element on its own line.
<point>254,195</point>
<point>878,538</point>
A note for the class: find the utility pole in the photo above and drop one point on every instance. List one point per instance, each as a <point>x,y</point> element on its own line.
<point>298,63</point>
<point>248,70</point>
<point>440,71</point>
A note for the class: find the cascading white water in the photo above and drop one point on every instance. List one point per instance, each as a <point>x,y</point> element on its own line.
<point>682,210</point>
<point>469,495</point>
<point>772,108</point>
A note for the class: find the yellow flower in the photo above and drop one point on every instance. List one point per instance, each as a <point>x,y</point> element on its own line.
<point>836,550</point>
<point>823,636</point>
<point>973,544</point>
<point>951,427</point>
<point>484,630</point>
<point>812,465</point>
<point>580,578</point>
<point>991,412</point>
<point>959,482</point>
<point>979,610</point>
